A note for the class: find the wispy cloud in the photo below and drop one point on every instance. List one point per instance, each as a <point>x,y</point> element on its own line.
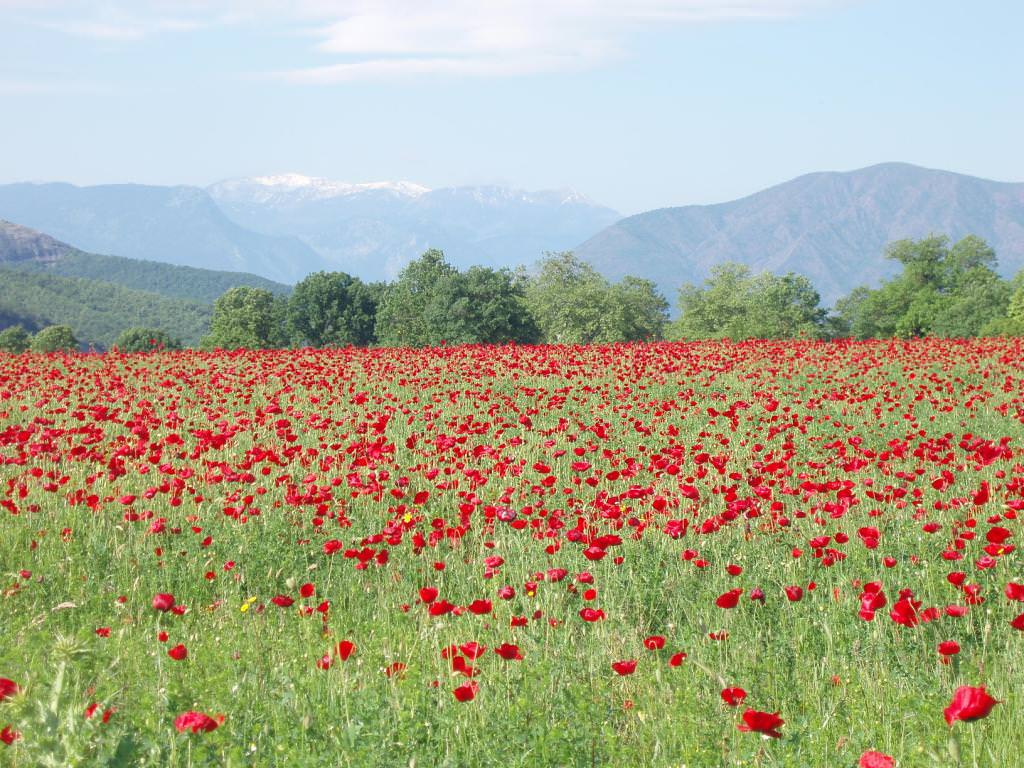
<point>373,39</point>
<point>396,39</point>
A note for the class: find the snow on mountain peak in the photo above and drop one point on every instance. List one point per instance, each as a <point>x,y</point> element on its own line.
<point>264,188</point>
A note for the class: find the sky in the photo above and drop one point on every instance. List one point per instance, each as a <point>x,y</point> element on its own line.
<point>637,104</point>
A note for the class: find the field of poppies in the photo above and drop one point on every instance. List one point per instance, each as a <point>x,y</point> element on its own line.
<point>756,554</point>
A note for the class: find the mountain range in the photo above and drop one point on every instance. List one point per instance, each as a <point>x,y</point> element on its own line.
<point>830,226</point>
<point>373,230</point>
<point>176,225</point>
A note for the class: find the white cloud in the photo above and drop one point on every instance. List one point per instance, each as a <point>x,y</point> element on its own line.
<point>490,38</point>
<point>368,39</point>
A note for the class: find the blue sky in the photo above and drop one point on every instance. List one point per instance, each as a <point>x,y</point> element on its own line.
<point>638,104</point>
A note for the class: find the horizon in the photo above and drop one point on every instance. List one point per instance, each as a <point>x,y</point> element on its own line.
<point>258,178</point>
<point>513,95</point>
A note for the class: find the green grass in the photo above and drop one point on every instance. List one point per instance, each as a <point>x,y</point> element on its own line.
<point>841,684</point>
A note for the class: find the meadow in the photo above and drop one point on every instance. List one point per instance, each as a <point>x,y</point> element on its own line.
<point>738,554</point>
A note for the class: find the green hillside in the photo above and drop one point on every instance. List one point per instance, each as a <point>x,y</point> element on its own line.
<point>97,311</point>
<point>203,285</point>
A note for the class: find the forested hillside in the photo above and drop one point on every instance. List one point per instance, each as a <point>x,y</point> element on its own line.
<point>97,311</point>
<point>30,249</point>
<point>190,283</point>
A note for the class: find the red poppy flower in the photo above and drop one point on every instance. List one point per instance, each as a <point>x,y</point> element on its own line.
<point>282,600</point>
<point>654,643</point>
<point>197,721</point>
<point>428,594</point>
<point>178,652</point>
<point>480,607</point>
<point>624,667</point>
<point>1018,623</point>
<point>307,590</point>
<point>949,648</point>
<point>733,696</point>
<point>766,723</point>
<point>8,735</point>
<point>8,688</point>
<point>103,632</point>
<point>591,614</point>
<point>344,649</point>
<point>729,599</point>
<point>873,759</point>
<point>163,602</point>
<point>1015,591</point>
<point>473,650</point>
<point>677,659</point>
<point>440,608</point>
<point>969,703</point>
<point>332,546</point>
<point>466,691</point>
<point>509,652</point>
<point>794,594</point>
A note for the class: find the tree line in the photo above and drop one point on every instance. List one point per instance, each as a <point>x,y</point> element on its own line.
<point>943,289</point>
<point>432,303</point>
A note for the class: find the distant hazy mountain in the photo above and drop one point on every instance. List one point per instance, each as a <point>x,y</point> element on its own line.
<point>176,225</point>
<point>373,230</point>
<point>29,250</point>
<point>831,227</point>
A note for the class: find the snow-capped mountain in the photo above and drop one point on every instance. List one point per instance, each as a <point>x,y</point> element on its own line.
<point>372,229</point>
<point>294,187</point>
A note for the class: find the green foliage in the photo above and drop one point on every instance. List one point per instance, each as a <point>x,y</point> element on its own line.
<point>15,340</point>
<point>431,302</point>
<point>736,304</point>
<point>573,304</point>
<point>173,281</point>
<point>54,338</point>
<point>96,311</point>
<point>490,308</point>
<point>332,309</point>
<point>414,309</point>
<point>944,290</point>
<point>247,318</point>
<point>146,340</point>
<point>1012,323</point>
<point>637,311</point>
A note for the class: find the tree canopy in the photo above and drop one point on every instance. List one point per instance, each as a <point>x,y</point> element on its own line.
<point>432,302</point>
<point>247,318</point>
<point>15,339</point>
<point>574,304</point>
<point>140,339</point>
<point>54,338</point>
<point>332,309</point>
<point>943,290</point>
<point>736,304</point>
